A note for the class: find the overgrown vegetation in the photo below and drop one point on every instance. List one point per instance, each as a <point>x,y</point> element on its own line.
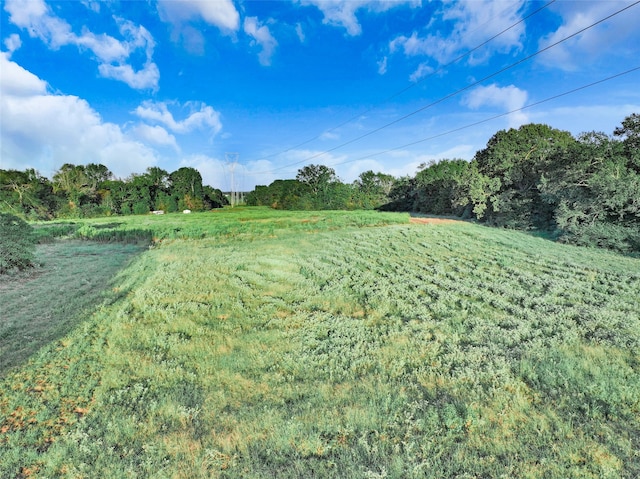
<point>17,243</point>
<point>583,190</point>
<point>84,191</point>
<point>295,351</point>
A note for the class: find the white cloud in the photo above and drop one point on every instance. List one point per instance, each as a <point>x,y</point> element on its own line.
<point>509,98</point>
<point>603,116</point>
<point>300,33</point>
<point>212,170</point>
<point>12,42</point>
<point>382,66</point>
<point>91,5</point>
<point>220,13</point>
<point>618,36</point>
<point>262,36</point>
<point>16,81</point>
<point>43,131</point>
<point>200,117</point>
<point>343,12</point>
<point>156,135</point>
<point>422,71</point>
<point>472,23</point>
<point>183,15</point>
<point>140,80</point>
<point>112,54</point>
<point>329,135</point>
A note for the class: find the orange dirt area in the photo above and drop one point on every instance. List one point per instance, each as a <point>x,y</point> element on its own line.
<point>431,221</point>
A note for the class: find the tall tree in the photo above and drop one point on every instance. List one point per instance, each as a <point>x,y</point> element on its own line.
<point>439,186</point>
<point>27,193</point>
<point>186,187</point>
<point>72,183</point>
<point>595,192</point>
<point>629,131</point>
<point>318,179</point>
<point>158,181</point>
<point>516,159</point>
<point>96,175</point>
<point>373,189</point>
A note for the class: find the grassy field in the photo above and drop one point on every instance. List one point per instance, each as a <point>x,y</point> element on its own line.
<point>45,304</point>
<point>298,345</point>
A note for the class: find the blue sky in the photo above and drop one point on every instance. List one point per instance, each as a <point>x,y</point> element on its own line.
<point>353,84</point>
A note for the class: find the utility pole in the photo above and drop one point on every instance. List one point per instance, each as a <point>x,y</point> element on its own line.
<point>232,162</point>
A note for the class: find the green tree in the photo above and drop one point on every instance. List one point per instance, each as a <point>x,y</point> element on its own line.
<point>318,180</point>
<point>26,193</point>
<point>96,175</point>
<point>113,196</point>
<point>137,195</point>
<point>214,198</point>
<point>595,192</point>
<point>503,187</point>
<point>373,189</point>
<point>72,183</point>
<point>629,131</point>
<point>186,187</point>
<point>439,187</point>
<point>280,194</point>
<point>158,181</point>
<point>402,196</point>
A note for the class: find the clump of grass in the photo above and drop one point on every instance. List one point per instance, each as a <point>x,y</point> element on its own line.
<point>49,232</point>
<point>110,235</point>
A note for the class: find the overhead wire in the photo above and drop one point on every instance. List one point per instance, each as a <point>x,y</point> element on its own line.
<point>413,85</point>
<point>446,97</point>
<point>494,117</point>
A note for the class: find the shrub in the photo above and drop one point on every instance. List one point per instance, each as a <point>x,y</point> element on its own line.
<point>141,208</point>
<point>17,243</point>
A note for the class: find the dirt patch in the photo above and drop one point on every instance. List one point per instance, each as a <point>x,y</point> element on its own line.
<point>431,221</point>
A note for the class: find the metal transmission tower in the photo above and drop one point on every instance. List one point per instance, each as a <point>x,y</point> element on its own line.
<point>232,162</point>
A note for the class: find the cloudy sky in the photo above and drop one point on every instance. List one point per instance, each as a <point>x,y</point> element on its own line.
<point>269,86</point>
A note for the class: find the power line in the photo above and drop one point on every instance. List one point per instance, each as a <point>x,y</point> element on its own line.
<point>418,82</point>
<point>440,100</point>
<point>470,125</point>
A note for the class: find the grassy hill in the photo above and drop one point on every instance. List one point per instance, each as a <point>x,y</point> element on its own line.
<point>257,344</point>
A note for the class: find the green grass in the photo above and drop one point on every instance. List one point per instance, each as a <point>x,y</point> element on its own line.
<point>238,223</point>
<point>399,351</point>
<point>47,302</point>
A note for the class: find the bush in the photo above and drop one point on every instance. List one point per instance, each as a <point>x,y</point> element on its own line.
<point>141,208</point>
<point>17,243</point>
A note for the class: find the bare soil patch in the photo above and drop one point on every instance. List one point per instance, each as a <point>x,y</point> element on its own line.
<point>431,221</point>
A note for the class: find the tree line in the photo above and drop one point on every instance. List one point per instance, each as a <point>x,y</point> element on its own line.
<point>92,190</point>
<point>583,190</point>
<point>317,187</point>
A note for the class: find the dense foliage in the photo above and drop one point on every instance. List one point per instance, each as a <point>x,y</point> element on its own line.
<point>299,345</point>
<point>317,187</point>
<point>17,243</point>
<point>77,191</point>
<point>583,190</point>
